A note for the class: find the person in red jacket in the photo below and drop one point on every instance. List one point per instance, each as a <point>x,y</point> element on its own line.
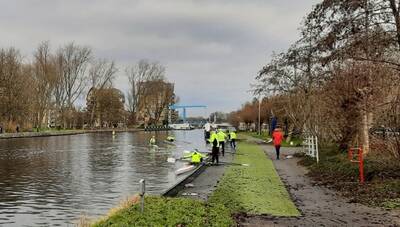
<point>277,137</point>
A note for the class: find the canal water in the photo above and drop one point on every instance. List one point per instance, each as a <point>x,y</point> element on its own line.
<point>52,181</point>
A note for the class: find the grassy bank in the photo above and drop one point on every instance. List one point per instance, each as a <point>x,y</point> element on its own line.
<point>382,175</point>
<point>256,189</point>
<point>161,211</point>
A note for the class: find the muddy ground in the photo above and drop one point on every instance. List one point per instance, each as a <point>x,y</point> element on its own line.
<point>319,206</point>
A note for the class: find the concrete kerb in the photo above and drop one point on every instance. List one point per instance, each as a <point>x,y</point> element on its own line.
<point>179,186</point>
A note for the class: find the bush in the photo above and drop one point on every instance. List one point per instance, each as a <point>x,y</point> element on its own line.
<point>382,174</point>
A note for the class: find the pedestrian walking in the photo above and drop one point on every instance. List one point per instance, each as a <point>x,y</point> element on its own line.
<point>207,129</point>
<point>233,137</point>
<point>221,140</point>
<point>277,137</point>
<point>215,147</point>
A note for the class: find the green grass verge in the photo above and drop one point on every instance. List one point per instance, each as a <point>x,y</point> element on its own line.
<point>160,211</point>
<point>256,189</point>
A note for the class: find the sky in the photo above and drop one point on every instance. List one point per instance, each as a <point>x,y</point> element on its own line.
<point>212,49</point>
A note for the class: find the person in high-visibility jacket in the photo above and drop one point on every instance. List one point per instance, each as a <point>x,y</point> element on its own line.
<point>221,140</point>
<point>213,136</point>
<point>170,138</point>
<point>233,137</point>
<point>196,157</point>
<point>152,140</point>
<point>215,147</point>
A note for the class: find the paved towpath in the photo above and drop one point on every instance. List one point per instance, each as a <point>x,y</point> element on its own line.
<point>319,206</point>
<point>206,182</point>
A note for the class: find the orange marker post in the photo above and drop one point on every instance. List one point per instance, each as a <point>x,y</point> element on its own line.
<point>360,162</point>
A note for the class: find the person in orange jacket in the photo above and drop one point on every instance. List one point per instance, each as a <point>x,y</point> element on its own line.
<point>277,137</point>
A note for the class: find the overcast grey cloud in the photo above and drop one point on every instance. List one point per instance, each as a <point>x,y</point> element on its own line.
<point>212,48</point>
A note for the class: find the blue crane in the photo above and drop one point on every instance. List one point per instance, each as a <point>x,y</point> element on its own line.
<point>184,107</point>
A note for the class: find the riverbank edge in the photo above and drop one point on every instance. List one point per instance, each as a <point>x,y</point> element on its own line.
<point>61,133</point>
<point>225,213</point>
<point>174,190</point>
<point>217,214</point>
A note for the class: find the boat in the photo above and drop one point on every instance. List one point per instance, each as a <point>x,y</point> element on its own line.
<point>169,142</point>
<point>183,126</point>
<point>185,169</point>
<point>153,146</point>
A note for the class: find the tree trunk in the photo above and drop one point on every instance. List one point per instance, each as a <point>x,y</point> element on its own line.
<point>92,115</point>
<point>365,125</point>
<point>290,132</point>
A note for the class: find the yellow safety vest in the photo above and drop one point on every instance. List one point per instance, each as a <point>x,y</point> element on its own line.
<point>221,136</point>
<point>213,137</point>
<point>196,157</point>
<point>152,141</point>
<point>233,135</point>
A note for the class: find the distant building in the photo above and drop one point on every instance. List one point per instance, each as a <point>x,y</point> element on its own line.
<point>154,102</point>
<point>105,107</point>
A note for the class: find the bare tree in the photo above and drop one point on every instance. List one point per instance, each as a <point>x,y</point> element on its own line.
<point>44,75</point>
<point>15,88</point>
<point>137,75</point>
<point>71,64</point>
<point>101,74</point>
<point>158,95</point>
<point>75,61</point>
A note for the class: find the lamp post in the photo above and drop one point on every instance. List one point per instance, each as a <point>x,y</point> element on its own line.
<point>259,115</point>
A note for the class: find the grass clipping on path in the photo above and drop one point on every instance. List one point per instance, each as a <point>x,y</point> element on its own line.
<point>256,189</point>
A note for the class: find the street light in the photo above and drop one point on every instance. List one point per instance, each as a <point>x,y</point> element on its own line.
<point>259,115</point>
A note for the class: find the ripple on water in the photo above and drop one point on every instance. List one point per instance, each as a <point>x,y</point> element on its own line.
<point>51,181</point>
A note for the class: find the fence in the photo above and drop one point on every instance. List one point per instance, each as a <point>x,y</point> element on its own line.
<point>310,147</point>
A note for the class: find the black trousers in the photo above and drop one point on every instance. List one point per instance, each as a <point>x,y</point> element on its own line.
<point>222,144</point>
<point>207,135</point>
<point>215,154</point>
<point>277,149</point>
<point>233,143</point>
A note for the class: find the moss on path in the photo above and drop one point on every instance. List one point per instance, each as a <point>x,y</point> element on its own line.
<point>256,189</point>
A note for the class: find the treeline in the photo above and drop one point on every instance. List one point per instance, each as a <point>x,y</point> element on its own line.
<point>47,91</point>
<point>340,80</point>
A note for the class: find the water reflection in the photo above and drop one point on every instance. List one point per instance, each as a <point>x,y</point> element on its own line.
<point>50,181</point>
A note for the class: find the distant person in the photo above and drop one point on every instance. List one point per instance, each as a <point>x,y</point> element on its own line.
<point>277,137</point>
<point>1,129</point>
<point>196,157</point>
<point>221,140</point>
<point>207,129</point>
<point>233,138</point>
<point>152,140</point>
<point>17,128</point>
<point>215,147</point>
<point>170,139</point>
